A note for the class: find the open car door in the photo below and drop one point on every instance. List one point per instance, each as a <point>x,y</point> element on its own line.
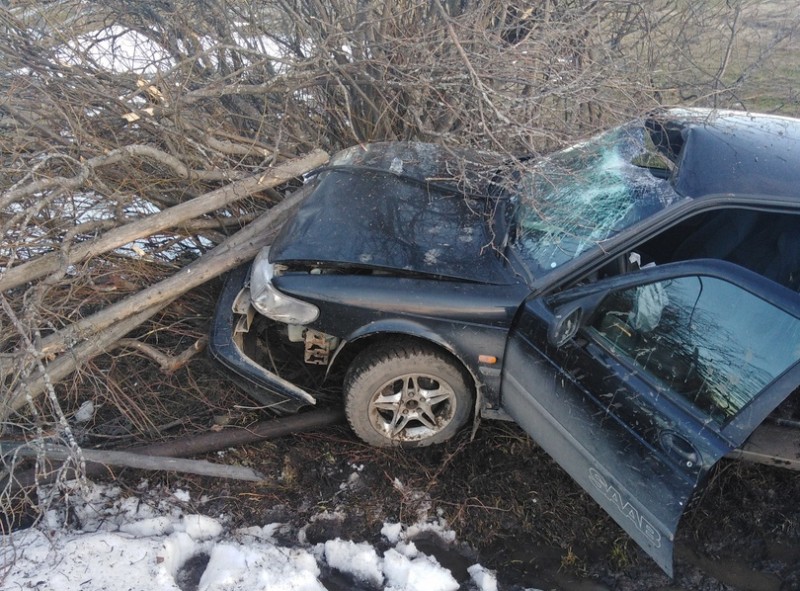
<point>638,384</point>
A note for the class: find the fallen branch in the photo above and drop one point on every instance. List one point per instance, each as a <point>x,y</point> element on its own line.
<point>174,216</point>
<point>203,443</point>
<point>235,436</point>
<point>168,363</point>
<point>97,333</point>
<point>104,458</point>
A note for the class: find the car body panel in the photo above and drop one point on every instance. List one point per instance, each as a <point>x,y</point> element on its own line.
<point>374,218</point>
<point>226,345</point>
<point>376,296</point>
<point>466,319</point>
<point>586,447</point>
<point>738,153</point>
<point>638,434</point>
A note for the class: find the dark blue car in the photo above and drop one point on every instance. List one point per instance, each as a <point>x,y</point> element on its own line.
<point>632,302</point>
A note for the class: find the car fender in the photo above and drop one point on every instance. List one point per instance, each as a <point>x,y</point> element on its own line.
<point>397,326</point>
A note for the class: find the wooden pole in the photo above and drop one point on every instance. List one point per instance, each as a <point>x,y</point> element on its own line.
<point>104,457</point>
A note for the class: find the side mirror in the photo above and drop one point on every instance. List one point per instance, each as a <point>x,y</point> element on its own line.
<point>565,323</point>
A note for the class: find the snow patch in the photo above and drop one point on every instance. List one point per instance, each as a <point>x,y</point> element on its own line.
<point>484,579</point>
<point>144,542</point>
<point>422,573</point>
<point>361,560</point>
<point>182,495</point>
<point>200,527</point>
<point>177,549</point>
<point>85,412</point>
<point>392,532</point>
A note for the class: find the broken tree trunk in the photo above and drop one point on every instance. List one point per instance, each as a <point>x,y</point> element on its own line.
<point>169,218</point>
<point>77,343</point>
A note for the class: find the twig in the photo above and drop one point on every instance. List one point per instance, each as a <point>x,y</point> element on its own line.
<point>168,363</point>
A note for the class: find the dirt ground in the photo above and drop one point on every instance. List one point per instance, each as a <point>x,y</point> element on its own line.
<point>514,510</point>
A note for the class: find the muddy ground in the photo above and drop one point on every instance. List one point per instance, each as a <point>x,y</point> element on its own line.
<point>513,510</point>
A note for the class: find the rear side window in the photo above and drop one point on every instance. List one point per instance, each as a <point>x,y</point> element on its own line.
<point>706,340</point>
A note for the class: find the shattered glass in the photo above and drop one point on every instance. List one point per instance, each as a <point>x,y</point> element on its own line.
<point>585,194</point>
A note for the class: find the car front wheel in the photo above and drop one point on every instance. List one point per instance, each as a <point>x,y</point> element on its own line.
<point>406,395</point>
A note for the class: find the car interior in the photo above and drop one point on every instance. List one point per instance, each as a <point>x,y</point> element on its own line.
<point>767,243</point>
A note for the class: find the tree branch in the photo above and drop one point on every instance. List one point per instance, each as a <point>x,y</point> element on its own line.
<point>49,263</point>
<point>96,333</point>
<point>168,363</point>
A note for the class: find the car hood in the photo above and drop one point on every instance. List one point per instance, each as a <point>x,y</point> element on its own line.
<point>400,206</point>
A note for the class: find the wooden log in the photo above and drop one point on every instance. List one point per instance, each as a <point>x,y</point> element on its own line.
<point>235,436</point>
<point>203,443</point>
<point>174,216</point>
<point>104,457</point>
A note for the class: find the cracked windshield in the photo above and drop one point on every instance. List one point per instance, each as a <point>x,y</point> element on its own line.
<point>582,195</point>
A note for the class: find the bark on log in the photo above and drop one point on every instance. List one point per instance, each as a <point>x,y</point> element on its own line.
<point>174,216</point>
<point>234,436</point>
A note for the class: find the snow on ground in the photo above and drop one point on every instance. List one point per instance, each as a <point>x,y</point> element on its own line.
<point>102,539</point>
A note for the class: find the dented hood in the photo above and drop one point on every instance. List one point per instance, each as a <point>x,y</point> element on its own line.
<point>409,207</point>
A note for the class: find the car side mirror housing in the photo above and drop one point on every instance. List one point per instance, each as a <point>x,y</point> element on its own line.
<point>565,324</point>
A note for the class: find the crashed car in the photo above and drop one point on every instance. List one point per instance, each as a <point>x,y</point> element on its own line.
<point>631,301</point>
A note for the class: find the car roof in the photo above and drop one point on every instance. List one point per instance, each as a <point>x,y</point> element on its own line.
<point>729,152</point>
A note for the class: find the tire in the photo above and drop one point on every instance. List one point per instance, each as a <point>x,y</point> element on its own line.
<point>407,395</point>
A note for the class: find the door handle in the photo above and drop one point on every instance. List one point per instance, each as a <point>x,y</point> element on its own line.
<point>679,448</point>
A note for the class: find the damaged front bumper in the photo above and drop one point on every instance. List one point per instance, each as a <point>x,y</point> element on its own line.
<point>228,345</point>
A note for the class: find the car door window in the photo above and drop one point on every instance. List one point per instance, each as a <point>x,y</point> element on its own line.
<point>703,339</point>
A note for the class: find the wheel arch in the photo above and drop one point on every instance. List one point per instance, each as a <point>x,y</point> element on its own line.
<point>381,332</point>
